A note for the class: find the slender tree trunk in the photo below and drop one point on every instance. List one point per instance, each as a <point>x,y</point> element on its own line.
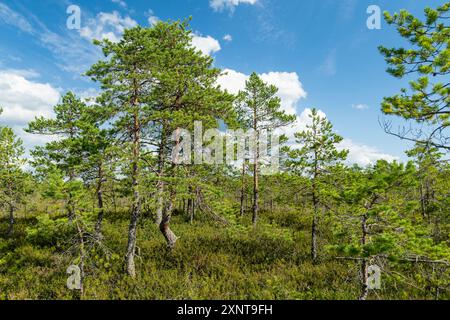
<point>164,226</point>
<point>242,211</point>
<point>422,201</point>
<point>191,205</point>
<point>136,205</point>
<point>364,287</point>
<point>160,184</point>
<point>314,238</point>
<point>82,256</point>
<point>314,222</point>
<point>11,220</point>
<point>70,202</point>
<point>160,202</point>
<point>255,174</point>
<point>98,226</point>
<point>114,199</point>
<point>193,211</point>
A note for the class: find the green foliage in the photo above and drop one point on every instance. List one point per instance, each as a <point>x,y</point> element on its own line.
<point>114,158</point>
<point>259,108</point>
<point>427,100</point>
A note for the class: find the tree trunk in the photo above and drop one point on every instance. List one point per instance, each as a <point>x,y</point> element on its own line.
<point>70,202</point>
<point>314,226</point>
<point>193,211</point>
<point>98,226</point>
<point>255,174</point>
<point>364,287</point>
<point>242,210</point>
<point>11,220</point>
<point>136,206</point>
<point>160,184</point>
<point>164,226</point>
<point>82,257</point>
<point>160,202</point>
<point>314,238</point>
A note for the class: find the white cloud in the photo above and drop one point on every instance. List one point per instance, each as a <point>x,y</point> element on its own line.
<point>289,85</point>
<point>26,73</point>
<point>291,92</point>
<point>152,19</point>
<point>11,17</point>
<point>121,3</point>
<point>360,106</point>
<point>364,155</point>
<point>359,153</point>
<point>299,125</point>
<point>71,53</point>
<point>228,38</point>
<point>220,5</point>
<point>232,80</point>
<point>107,26</point>
<point>23,100</point>
<point>208,45</point>
<point>290,89</point>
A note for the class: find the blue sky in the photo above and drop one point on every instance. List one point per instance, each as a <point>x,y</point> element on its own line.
<point>320,52</point>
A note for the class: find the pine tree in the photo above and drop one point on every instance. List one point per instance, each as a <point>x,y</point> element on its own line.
<point>428,58</point>
<point>185,92</point>
<point>12,177</point>
<point>126,79</point>
<point>65,151</point>
<point>155,82</point>
<point>259,109</point>
<point>100,157</point>
<point>318,151</point>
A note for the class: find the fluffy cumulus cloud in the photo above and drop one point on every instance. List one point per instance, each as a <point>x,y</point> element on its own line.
<point>289,85</point>
<point>22,100</point>
<point>364,155</point>
<point>208,45</point>
<point>291,92</point>
<point>107,26</point>
<point>220,5</point>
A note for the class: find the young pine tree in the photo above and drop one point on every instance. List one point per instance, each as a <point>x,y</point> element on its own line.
<point>259,109</point>
<point>65,152</point>
<point>12,177</point>
<point>318,151</point>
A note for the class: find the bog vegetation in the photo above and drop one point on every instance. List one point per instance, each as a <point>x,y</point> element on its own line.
<point>105,195</point>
